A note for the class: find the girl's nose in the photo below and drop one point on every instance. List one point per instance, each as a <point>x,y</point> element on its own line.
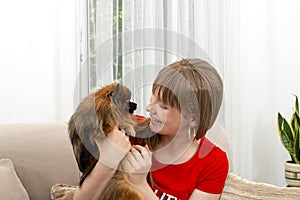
<point>151,105</point>
<point>148,107</point>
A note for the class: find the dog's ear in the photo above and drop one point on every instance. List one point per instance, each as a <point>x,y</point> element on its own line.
<point>82,155</point>
<point>121,94</point>
<point>116,94</point>
<point>111,90</point>
<point>117,88</point>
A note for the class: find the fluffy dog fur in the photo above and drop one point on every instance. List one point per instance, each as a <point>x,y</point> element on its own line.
<point>94,118</point>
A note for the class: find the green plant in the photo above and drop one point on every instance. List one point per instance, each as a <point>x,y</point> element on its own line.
<point>290,133</point>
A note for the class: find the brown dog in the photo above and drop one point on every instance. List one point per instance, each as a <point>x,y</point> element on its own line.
<point>95,117</point>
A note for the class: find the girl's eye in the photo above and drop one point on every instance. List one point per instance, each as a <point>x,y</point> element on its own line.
<point>163,106</point>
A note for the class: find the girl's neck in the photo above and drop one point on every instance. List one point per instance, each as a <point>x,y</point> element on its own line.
<point>175,150</point>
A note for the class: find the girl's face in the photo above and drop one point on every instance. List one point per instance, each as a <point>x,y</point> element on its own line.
<point>165,120</point>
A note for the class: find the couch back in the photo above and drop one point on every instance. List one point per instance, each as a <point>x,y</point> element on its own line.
<point>42,156</point>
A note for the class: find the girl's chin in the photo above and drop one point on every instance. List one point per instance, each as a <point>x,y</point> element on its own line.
<point>155,128</point>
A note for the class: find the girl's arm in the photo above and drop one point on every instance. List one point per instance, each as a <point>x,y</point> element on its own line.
<point>146,191</point>
<point>112,150</point>
<point>198,195</point>
<point>94,183</point>
<point>138,163</point>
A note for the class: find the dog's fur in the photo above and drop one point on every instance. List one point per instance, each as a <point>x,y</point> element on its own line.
<point>95,117</point>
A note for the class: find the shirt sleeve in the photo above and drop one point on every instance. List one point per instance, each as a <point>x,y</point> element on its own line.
<point>214,176</point>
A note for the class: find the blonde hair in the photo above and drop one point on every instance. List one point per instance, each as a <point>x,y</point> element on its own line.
<point>192,86</point>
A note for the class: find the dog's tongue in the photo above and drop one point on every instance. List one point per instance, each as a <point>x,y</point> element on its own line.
<point>134,140</point>
<point>139,117</point>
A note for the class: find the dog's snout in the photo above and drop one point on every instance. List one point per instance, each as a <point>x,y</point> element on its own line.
<point>131,107</point>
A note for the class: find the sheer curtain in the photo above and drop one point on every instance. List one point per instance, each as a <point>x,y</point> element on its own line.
<point>38,60</point>
<point>261,72</point>
<point>253,44</point>
<point>150,35</point>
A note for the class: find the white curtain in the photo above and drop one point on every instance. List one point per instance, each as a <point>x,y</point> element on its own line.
<point>38,60</point>
<point>253,44</point>
<point>154,34</point>
<point>261,72</point>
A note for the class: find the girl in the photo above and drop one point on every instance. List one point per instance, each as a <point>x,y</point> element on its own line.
<point>179,162</point>
<point>185,101</point>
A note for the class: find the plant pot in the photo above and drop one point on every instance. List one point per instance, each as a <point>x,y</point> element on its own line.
<point>292,174</point>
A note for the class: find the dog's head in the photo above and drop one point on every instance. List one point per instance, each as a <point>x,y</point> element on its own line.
<point>96,116</point>
<point>113,107</point>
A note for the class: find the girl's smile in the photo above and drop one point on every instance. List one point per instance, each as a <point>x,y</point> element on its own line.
<point>154,121</point>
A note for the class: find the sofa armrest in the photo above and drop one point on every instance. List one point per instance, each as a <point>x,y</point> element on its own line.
<point>238,188</point>
<point>42,155</point>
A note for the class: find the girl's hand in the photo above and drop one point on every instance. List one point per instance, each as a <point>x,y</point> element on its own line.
<point>137,163</point>
<point>113,148</point>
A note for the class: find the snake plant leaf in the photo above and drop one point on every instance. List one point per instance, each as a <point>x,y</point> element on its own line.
<point>290,133</point>
<point>296,104</point>
<point>287,143</point>
<point>286,127</point>
<point>295,122</point>
<point>297,147</point>
<point>279,122</point>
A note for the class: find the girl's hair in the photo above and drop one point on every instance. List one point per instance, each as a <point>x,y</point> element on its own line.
<point>193,87</point>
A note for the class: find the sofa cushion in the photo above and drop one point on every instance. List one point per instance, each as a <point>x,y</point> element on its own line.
<point>63,192</point>
<point>238,188</point>
<point>10,185</point>
<point>42,155</point>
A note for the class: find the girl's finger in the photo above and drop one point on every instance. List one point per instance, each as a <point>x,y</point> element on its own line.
<point>147,147</point>
<point>136,155</point>
<point>126,166</point>
<point>144,151</point>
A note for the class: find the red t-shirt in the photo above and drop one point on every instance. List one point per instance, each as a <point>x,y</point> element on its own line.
<point>205,171</point>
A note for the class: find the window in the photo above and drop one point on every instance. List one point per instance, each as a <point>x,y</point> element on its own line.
<point>94,34</point>
<point>130,41</point>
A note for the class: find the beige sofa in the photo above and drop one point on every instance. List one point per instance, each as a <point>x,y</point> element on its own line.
<point>41,155</point>
<point>37,161</point>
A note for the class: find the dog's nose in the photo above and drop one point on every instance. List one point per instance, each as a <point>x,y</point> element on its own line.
<point>132,107</point>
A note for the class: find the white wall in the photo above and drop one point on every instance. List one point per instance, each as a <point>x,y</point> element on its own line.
<point>37,60</point>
